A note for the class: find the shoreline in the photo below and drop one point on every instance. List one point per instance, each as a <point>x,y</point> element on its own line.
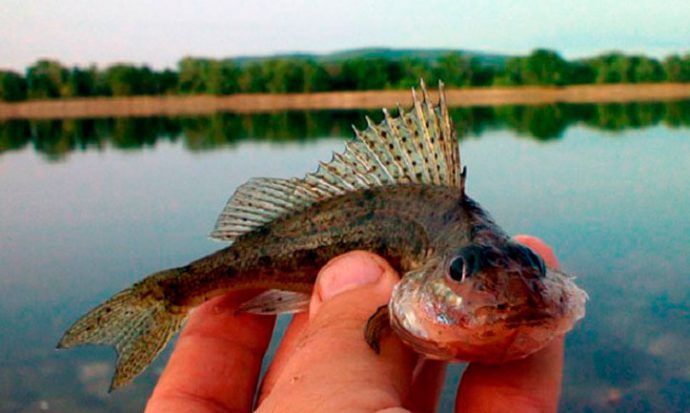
<point>139,106</point>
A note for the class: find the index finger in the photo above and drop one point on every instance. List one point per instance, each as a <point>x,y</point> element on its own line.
<point>216,361</point>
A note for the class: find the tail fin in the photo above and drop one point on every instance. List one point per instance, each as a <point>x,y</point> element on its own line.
<point>135,321</point>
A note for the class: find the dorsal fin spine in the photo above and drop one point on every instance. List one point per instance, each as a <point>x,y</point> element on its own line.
<point>432,138</point>
<point>324,184</point>
<point>374,155</point>
<point>421,120</point>
<point>389,146</point>
<point>304,192</point>
<point>362,181</point>
<point>354,149</point>
<point>446,129</point>
<point>402,160</point>
<point>336,176</point>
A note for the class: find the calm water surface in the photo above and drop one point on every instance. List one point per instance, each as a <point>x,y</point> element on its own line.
<point>88,207</point>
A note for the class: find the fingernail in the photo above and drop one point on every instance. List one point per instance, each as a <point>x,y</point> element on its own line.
<point>347,272</point>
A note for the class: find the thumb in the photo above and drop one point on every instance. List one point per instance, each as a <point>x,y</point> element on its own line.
<point>332,368</point>
<point>369,273</point>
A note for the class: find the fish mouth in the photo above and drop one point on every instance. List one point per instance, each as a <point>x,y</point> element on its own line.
<point>528,317</point>
<point>492,344</point>
<point>474,320</point>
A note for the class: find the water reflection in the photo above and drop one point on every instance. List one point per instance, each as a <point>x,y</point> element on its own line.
<point>607,194</point>
<point>56,138</point>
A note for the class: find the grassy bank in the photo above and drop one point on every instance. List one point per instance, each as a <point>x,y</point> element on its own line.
<point>247,103</point>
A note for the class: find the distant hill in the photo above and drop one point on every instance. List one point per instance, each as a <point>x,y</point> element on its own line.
<point>489,59</point>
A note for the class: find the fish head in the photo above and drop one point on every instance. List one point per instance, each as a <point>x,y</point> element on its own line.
<point>488,303</point>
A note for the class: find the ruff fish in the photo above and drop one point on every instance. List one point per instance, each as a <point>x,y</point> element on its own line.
<point>468,293</point>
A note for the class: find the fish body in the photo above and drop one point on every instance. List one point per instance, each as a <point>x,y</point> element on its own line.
<point>467,291</point>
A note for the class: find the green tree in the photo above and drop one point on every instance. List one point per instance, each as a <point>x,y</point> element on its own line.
<point>192,75</point>
<point>283,76</point>
<point>457,70</point>
<point>581,72</point>
<point>645,69</point>
<point>412,69</point>
<point>252,79</point>
<point>200,75</point>
<point>166,82</point>
<point>511,73</point>
<point>677,68</point>
<point>224,78</point>
<point>128,80</point>
<point>618,68</point>
<point>454,69</point>
<point>82,82</point>
<point>369,74</point>
<point>611,68</point>
<point>316,78</point>
<point>46,79</point>
<point>13,86</point>
<point>544,67</point>
<point>481,75</point>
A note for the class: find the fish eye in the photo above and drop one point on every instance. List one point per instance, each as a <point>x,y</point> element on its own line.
<point>458,269</point>
<point>465,264</point>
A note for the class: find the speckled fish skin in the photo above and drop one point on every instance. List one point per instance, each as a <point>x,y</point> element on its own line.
<point>467,291</point>
<point>403,224</point>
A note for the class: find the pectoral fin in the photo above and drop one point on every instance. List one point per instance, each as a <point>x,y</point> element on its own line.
<point>377,325</point>
<point>276,302</point>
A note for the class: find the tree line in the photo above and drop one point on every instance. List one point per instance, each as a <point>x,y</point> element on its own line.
<point>49,79</point>
<point>56,138</point>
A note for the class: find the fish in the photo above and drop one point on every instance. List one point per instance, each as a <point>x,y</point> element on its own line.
<point>467,291</point>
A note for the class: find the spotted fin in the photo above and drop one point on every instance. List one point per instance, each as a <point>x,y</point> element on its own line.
<point>135,321</point>
<point>419,146</point>
<point>276,302</point>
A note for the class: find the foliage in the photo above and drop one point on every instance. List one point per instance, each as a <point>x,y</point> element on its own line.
<point>128,80</point>
<point>215,77</point>
<point>379,69</point>
<point>46,79</point>
<point>618,68</point>
<point>541,67</point>
<point>677,68</point>
<point>12,86</point>
<point>412,69</point>
<point>83,82</point>
<point>367,74</point>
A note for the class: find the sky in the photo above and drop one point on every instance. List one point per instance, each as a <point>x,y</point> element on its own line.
<point>160,32</point>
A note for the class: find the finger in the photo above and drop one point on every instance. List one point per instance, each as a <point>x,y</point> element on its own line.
<point>332,368</point>
<point>529,385</point>
<point>285,350</point>
<point>216,361</point>
<point>427,383</point>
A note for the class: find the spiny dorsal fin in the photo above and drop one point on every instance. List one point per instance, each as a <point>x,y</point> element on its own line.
<point>419,146</point>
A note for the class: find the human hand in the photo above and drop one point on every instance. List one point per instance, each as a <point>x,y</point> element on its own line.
<point>324,364</point>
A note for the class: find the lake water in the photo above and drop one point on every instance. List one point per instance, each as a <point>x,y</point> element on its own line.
<point>89,206</point>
